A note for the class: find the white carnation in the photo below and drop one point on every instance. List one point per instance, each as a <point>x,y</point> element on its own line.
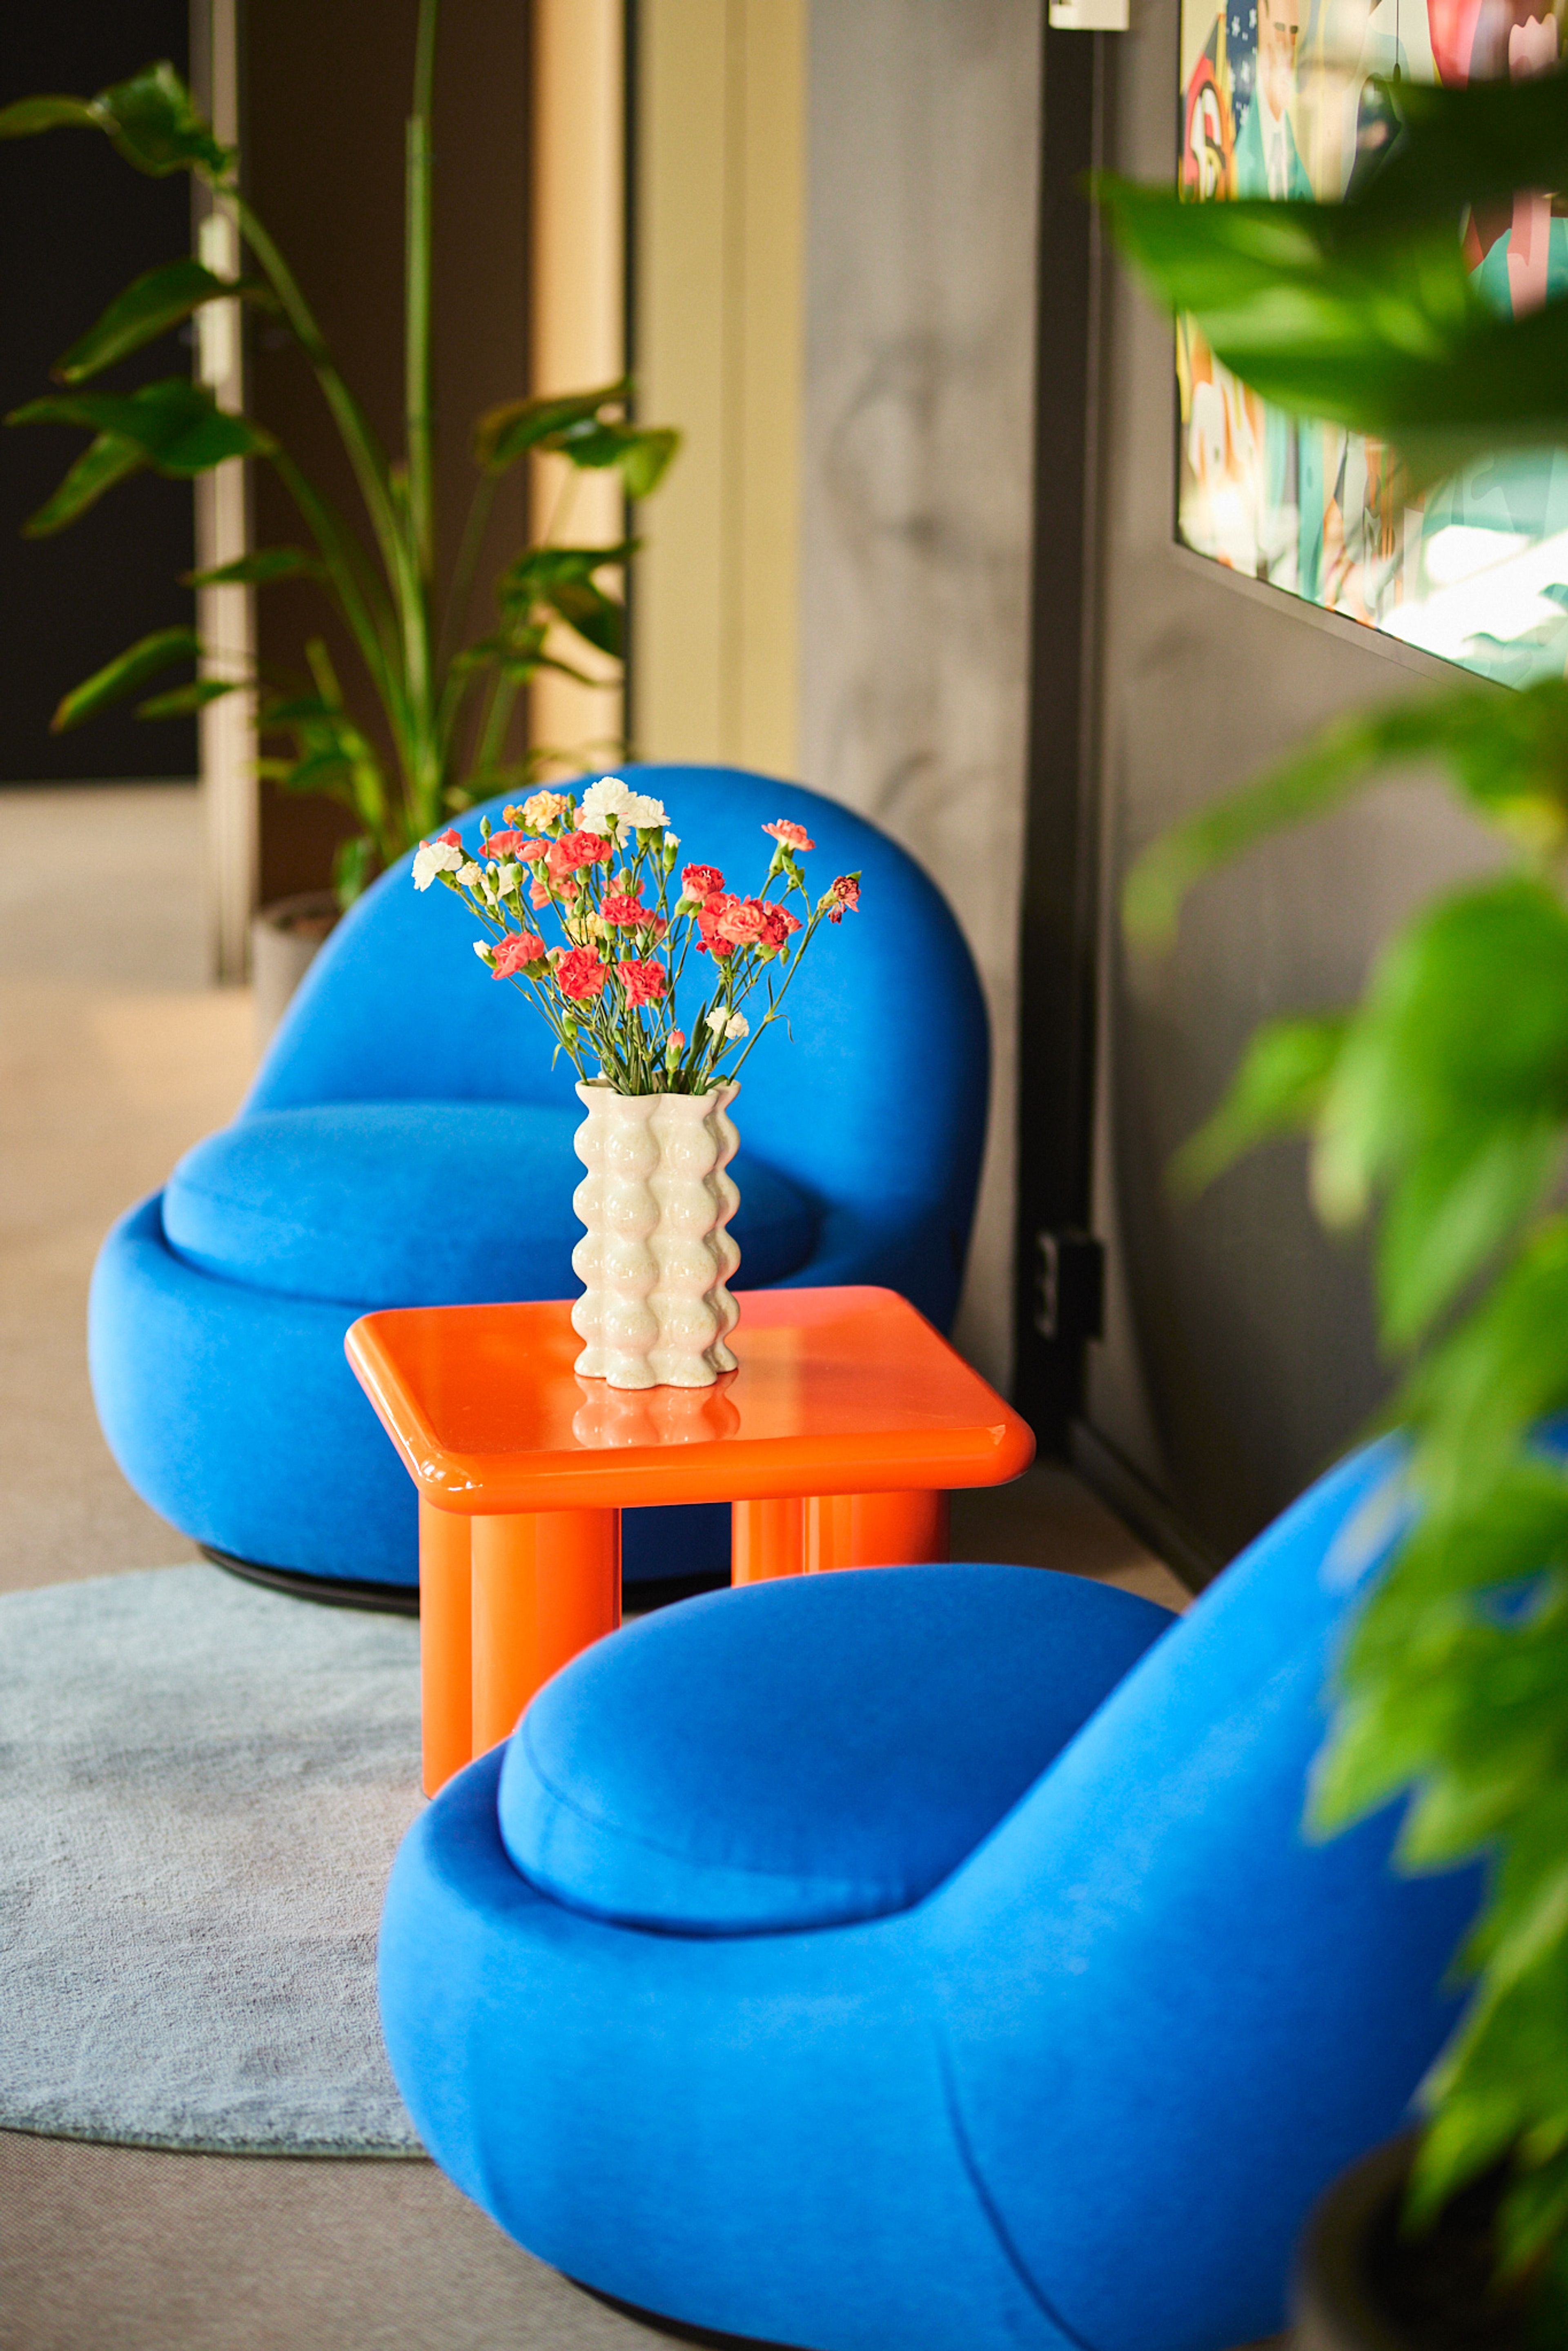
<point>469,874</point>
<point>606,798</point>
<point>434,857</point>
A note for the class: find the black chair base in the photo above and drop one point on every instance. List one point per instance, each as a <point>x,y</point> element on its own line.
<point>402,1599</point>
<point>330,1591</point>
<point>677,2329</point>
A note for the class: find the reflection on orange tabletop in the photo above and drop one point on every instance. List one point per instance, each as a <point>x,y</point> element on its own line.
<point>837,1441</point>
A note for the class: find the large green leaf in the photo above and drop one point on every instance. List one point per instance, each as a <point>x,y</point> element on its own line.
<point>99,466</point>
<point>1344,312</point>
<point>174,426</point>
<point>180,701</point>
<point>1507,753</point>
<point>149,119</point>
<point>154,303</point>
<point>1278,1088</point>
<point>1470,145</point>
<point>259,569</point>
<point>154,125</point>
<point>562,579</point>
<point>504,434</point>
<point>125,674</point>
<point>26,117</point>
<point>642,454</point>
<point>1464,1194</point>
<point>177,425</point>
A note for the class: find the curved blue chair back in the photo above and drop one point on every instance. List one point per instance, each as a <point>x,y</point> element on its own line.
<point>881,1095</point>
<point>1150,1960</point>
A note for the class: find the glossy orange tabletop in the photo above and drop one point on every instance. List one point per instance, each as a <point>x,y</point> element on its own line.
<point>839,1391</point>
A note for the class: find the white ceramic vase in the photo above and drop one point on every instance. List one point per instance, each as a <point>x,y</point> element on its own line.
<point>656,1254</point>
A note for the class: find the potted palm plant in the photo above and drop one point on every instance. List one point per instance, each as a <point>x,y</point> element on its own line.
<point>423,729</point>
<point>1438,1109</point>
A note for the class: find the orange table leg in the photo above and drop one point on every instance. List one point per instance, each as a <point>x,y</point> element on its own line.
<point>445,1670</point>
<point>875,1529</point>
<point>546,1583</point>
<point>766,1539</point>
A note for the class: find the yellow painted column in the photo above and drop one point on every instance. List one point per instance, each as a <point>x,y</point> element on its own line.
<point>719,334</point>
<point>578,323</point>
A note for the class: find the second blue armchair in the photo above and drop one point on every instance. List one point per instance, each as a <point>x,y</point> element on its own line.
<point>408,1143</point>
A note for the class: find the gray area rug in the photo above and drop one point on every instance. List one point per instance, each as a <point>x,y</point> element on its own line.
<point>202,1788</point>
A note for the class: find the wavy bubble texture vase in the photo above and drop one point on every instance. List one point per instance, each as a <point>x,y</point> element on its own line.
<point>656,1253</point>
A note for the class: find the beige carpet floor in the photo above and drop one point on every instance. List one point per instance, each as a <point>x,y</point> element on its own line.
<point>114,1056</point>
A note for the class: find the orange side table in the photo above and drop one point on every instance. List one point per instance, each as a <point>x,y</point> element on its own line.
<point>836,1441</point>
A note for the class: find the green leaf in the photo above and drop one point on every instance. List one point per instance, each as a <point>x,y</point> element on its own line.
<point>1470,145</point>
<point>26,117</point>
<point>125,674</point>
<point>353,863</point>
<point>259,569</point>
<point>1461,1199</point>
<point>643,456</point>
<point>149,119</point>
<point>176,425</point>
<point>599,619</point>
<point>154,125</point>
<point>181,700</point>
<point>328,771</point>
<point>504,434</point>
<point>299,710</point>
<point>1346,312</point>
<point>1485,1387</point>
<point>1464,1029</point>
<point>156,301</point>
<point>1278,1088</point>
<point>107,461</point>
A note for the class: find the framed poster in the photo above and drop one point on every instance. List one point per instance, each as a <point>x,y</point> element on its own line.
<point>1277,98</point>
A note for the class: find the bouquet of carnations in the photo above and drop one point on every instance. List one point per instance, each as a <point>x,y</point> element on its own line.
<point>599,874</point>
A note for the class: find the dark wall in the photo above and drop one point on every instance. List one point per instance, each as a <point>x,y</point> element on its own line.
<point>327,97</point>
<point>76,224</point>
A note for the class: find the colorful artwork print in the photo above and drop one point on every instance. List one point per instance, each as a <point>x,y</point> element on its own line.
<point>1278,99</point>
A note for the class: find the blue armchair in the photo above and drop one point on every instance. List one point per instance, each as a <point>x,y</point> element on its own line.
<point>408,1143</point>
<point>928,1956</point>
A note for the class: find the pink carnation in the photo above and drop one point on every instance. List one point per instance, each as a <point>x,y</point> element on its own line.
<point>539,894</point>
<point>618,907</point>
<point>744,922</point>
<point>644,982</point>
<point>778,925</point>
<point>708,919</point>
<point>701,881</point>
<point>452,837</point>
<point>516,952</point>
<point>581,973</point>
<point>846,896</point>
<point>574,849</point>
<point>509,844</point>
<point>795,836</point>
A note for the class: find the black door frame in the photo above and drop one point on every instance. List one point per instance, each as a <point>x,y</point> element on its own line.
<point>1058,1290</point>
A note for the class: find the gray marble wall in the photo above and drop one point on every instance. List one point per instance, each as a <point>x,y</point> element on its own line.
<point>924,129</point>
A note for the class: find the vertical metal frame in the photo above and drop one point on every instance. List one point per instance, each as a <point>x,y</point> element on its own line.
<point>1060,892</point>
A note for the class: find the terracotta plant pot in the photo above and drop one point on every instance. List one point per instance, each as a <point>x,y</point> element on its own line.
<point>284,938</point>
<point>1361,2284</point>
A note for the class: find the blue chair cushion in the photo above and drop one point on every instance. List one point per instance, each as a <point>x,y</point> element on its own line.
<point>421,1204</point>
<point>809,1751</point>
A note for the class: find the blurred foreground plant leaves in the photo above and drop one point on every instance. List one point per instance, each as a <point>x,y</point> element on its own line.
<point>1436,1107</point>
